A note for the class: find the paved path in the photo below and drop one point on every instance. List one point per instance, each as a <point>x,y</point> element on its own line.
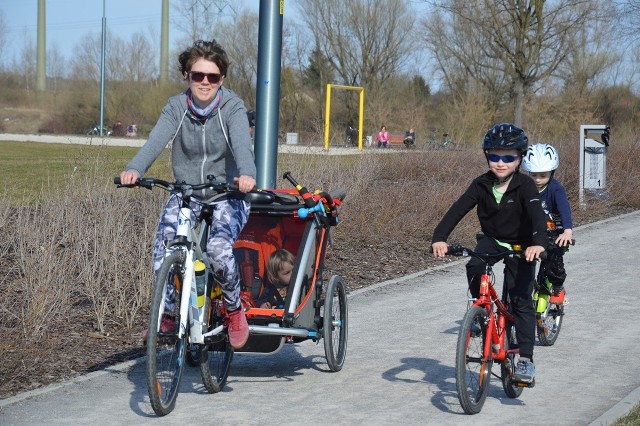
<point>400,360</point>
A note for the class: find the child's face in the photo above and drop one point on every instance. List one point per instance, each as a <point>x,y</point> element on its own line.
<point>540,178</point>
<point>284,274</point>
<point>503,162</point>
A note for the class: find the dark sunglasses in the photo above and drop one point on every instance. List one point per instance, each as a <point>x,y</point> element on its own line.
<point>494,158</point>
<point>199,76</point>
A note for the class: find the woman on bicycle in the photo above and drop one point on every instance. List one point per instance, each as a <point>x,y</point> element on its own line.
<point>509,211</point>
<point>206,127</point>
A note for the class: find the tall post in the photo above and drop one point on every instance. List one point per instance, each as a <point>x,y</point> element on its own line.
<point>41,67</point>
<point>268,91</point>
<point>104,43</point>
<point>164,43</point>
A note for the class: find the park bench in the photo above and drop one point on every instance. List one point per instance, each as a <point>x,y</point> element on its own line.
<point>396,140</point>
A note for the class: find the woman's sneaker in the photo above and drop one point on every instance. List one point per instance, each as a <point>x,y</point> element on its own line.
<point>238,328</point>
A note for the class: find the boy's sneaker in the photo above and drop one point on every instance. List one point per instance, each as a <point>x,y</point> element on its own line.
<point>238,328</point>
<point>524,372</point>
<point>557,296</point>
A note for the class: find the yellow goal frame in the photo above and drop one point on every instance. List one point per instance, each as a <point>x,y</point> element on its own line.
<point>327,114</point>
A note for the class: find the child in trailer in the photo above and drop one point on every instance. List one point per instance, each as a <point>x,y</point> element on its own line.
<point>279,268</point>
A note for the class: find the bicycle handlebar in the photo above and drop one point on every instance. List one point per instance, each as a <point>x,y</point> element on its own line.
<point>459,250</point>
<point>182,187</point>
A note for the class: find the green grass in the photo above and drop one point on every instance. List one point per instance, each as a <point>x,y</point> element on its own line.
<point>631,419</point>
<point>29,170</point>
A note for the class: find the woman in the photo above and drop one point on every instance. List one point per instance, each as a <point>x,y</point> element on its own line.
<point>206,127</point>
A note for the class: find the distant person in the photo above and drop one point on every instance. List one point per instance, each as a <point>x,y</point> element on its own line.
<point>132,130</point>
<point>383,137</point>
<point>409,138</point>
<point>279,268</point>
<point>118,129</point>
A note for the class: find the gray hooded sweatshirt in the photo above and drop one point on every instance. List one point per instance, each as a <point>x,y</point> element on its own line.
<point>220,147</point>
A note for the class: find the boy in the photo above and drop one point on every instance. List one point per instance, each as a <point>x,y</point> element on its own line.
<point>541,161</point>
<point>509,211</point>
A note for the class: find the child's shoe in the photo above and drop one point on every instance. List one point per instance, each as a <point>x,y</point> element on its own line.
<point>557,296</point>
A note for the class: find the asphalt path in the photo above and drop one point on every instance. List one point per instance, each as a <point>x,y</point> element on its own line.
<point>400,360</point>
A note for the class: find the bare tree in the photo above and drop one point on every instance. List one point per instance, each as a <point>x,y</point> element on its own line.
<point>517,43</point>
<point>55,65</point>
<point>240,39</point>
<point>198,19</point>
<point>366,41</point>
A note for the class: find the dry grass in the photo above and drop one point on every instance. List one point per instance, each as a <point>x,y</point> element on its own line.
<point>82,249</point>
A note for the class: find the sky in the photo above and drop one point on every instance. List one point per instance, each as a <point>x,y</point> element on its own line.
<point>69,20</point>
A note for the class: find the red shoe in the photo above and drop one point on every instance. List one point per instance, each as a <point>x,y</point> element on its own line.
<point>238,328</point>
<point>167,325</point>
<point>557,297</point>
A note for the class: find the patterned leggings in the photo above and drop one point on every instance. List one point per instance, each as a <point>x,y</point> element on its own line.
<point>229,217</point>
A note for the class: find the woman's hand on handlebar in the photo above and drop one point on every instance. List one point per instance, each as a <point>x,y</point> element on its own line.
<point>245,183</point>
<point>129,177</point>
<point>439,249</point>
<point>533,253</point>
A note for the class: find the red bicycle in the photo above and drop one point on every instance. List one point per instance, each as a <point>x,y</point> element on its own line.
<point>487,334</point>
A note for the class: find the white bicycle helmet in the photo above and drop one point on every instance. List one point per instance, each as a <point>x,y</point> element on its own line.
<point>540,158</point>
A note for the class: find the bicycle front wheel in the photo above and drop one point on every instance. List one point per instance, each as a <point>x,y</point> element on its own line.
<point>165,351</point>
<point>216,356</point>
<point>549,324</point>
<point>335,323</point>
<point>473,367</point>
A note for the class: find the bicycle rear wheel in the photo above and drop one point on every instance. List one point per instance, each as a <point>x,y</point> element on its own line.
<point>473,368</point>
<point>165,351</point>
<point>335,323</point>
<point>549,324</point>
<point>216,357</point>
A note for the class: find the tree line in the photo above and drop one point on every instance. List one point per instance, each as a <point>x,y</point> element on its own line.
<point>451,66</point>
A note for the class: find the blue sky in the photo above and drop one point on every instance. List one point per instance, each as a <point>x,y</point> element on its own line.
<point>69,20</point>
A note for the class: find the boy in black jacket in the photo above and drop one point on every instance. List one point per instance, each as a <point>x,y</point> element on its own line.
<point>510,212</point>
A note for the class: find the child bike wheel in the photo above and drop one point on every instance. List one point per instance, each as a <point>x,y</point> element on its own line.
<point>165,351</point>
<point>216,357</point>
<point>335,321</point>
<point>473,368</point>
<point>506,371</point>
<point>549,324</point>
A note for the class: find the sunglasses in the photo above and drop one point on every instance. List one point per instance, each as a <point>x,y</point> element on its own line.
<point>494,158</point>
<point>197,77</point>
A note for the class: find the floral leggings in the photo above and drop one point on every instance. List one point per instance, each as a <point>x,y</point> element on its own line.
<point>228,219</point>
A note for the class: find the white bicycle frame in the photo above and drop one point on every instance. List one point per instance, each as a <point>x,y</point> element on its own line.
<point>196,317</point>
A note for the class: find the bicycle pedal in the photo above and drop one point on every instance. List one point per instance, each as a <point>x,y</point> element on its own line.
<point>525,384</point>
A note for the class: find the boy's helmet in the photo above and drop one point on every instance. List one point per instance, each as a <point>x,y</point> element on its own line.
<point>505,136</point>
<point>540,158</point>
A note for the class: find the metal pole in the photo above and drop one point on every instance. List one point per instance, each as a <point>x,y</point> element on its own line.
<point>41,67</point>
<point>268,91</point>
<point>164,43</point>
<point>104,38</point>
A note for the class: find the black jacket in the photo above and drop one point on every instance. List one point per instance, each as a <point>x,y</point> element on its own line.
<point>518,219</point>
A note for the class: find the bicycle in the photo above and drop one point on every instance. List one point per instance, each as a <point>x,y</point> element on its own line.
<point>487,334</point>
<point>193,321</point>
<point>549,307</point>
